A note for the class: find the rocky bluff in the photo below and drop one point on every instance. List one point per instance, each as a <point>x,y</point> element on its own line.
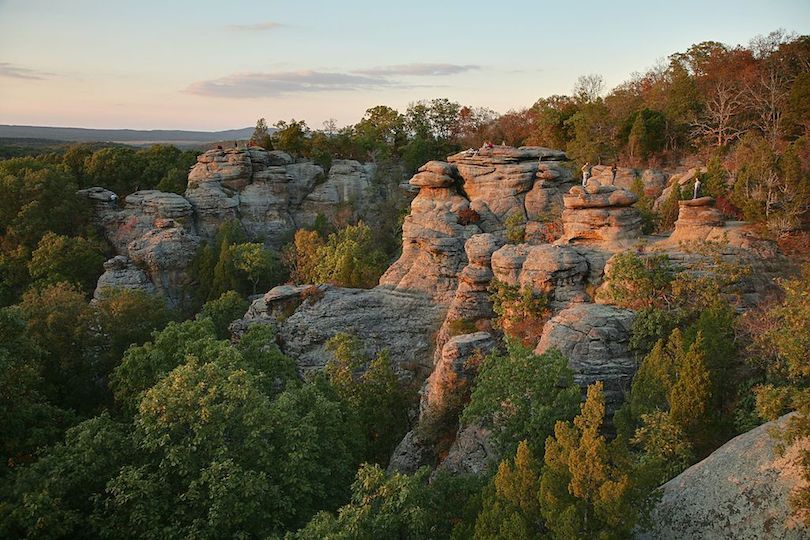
<point>156,234</point>
<point>456,240</point>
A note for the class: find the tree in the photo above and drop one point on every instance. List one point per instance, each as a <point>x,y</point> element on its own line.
<point>371,391</point>
<point>589,87</point>
<point>59,320</point>
<point>258,263</point>
<point>690,397</point>
<point>261,135</point>
<point>124,318</point>
<point>511,507</point>
<point>291,137</point>
<point>594,133</point>
<point>719,124</point>
<point>302,255</point>
<point>60,258</point>
<point>521,395</point>
<point>586,489</point>
<point>223,311</point>
<point>28,420</point>
<point>117,168</point>
<point>349,259</point>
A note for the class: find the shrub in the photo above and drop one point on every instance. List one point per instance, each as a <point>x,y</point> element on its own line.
<point>467,216</point>
<point>520,312</point>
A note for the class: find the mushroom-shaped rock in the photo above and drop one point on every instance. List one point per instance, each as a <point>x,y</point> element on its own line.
<point>698,220</point>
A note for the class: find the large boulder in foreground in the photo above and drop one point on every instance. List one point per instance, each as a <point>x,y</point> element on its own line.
<point>741,491</point>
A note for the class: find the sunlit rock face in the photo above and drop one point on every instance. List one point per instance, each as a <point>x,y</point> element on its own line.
<point>741,491</point>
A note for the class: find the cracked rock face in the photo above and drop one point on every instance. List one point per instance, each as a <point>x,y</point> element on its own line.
<point>740,491</point>
<point>166,253</point>
<point>402,322</point>
<point>595,340</point>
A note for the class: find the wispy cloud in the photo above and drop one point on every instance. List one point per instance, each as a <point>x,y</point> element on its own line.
<point>252,85</point>
<point>419,70</point>
<point>13,71</point>
<point>256,27</point>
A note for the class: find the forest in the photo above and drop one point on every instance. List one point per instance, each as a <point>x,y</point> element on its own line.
<point>123,417</point>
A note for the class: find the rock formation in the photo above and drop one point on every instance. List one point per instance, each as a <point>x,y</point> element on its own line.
<point>600,214</point>
<point>269,193</point>
<point>121,273</point>
<point>740,491</point>
<point>595,340</point>
<point>166,253</point>
<point>698,220</point>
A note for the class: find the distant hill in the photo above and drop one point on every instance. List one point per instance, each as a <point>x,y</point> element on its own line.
<point>135,137</point>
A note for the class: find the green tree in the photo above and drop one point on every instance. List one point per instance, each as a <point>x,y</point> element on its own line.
<point>521,395</point>
<point>223,311</point>
<point>261,135</point>
<point>511,505</point>
<point>586,490</point>
<point>28,420</point>
<point>60,258</point>
<point>349,259</point>
<point>371,391</point>
<point>59,320</point>
<point>291,137</point>
<point>117,168</point>
<point>258,263</point>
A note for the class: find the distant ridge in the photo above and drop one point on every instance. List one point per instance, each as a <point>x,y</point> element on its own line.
<point>131,136</point>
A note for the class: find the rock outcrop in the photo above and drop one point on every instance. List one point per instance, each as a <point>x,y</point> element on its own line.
<point>740,491</point>
<point>121,273</point>
<point>600,214</point>
<point>698,220</point>
<point>402,322</point>
<point>166,253</point>
<point>595,340</point>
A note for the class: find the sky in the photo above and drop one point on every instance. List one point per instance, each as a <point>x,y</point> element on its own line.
<point>202,65</point>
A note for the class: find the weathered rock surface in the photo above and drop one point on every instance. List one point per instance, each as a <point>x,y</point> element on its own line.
<point>557,271</point>
<point>432,245</point>
<point>120,273</point>
<point>741,492</point>
<point>698,220</point>
<point>653,180</point>
<point>166,254</point>
<point>455,370</point>
<point>600,214</point>
<point>347,185</point>
<point>402,322</point>
<point>473,452</point>
<point>595,340</point>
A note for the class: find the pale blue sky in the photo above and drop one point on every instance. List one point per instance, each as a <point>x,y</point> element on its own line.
<point>217,65</point>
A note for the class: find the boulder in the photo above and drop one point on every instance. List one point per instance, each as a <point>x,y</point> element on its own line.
<point>740,491</point>
<point>557,271</point>
<point>595,339</point>
<point>166,254</point>
<point>698,220</point>
<point>120,273</point>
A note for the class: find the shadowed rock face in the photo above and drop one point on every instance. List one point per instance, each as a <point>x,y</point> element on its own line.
<point>121,273</point>
<point>595,340</point>
<point>740,491</point>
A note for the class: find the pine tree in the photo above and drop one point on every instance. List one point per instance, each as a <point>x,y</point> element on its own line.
<point>586,490</point>
<point>511,507</point>
<point>690,399</point>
